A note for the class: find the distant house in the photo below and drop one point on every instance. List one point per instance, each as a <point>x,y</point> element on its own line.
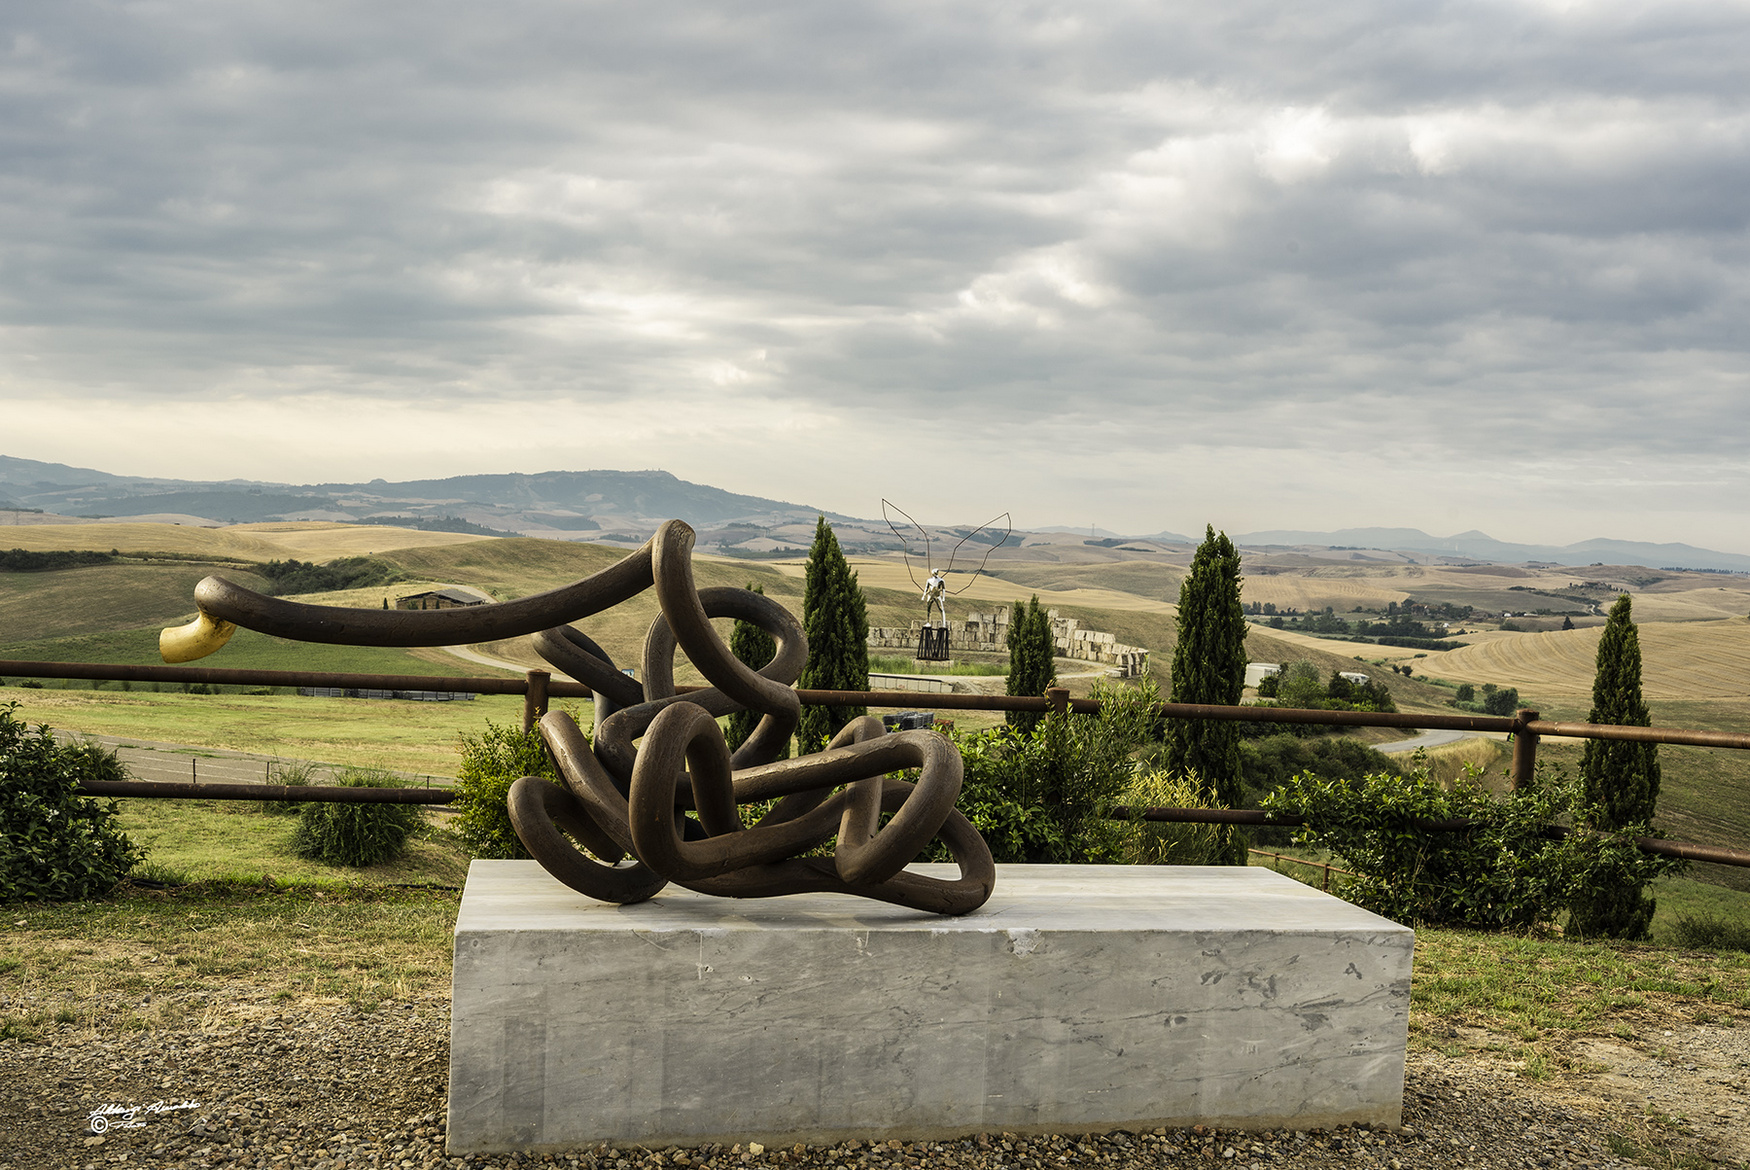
<point>1257,672</point>
<point>1356,677</point>
<point>438,599</point>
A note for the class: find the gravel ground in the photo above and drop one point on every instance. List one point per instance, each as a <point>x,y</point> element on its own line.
<point>254,1083</point>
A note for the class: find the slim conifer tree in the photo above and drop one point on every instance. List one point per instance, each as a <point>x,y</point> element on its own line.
<point>836,620</point>
<point>1209,666</point>
<point>1031,659</point>
<point>1620,780</point>
<point>754,648</point>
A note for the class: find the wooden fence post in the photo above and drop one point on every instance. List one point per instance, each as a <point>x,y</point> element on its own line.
<point>1524,749</point>
<point>535,700</point>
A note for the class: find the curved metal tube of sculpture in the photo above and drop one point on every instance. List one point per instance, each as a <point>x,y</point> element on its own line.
<point>656,798</point>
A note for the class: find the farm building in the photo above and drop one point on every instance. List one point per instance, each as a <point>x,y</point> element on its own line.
<point>1257,672</point>
<point>438,599</point>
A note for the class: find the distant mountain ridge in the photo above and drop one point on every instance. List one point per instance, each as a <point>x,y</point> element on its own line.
<point>555,503</point>
<point>626,505</point>
<point>1480,546</point>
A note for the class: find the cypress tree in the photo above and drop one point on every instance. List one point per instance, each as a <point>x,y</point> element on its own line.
<point>1620,780</point>
<point>836,620</point>
<point>1209,666</point>
<point>1031,659</point>
<point>753,647</point>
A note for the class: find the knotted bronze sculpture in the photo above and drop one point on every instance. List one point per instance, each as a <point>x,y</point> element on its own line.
<point>656,798</point>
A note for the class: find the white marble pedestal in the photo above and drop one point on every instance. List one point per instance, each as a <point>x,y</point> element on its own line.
<point>1079,998</point>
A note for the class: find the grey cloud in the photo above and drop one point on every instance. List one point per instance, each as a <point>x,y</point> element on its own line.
<point>1339,219</point>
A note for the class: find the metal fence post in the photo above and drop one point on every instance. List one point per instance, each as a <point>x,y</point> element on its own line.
<point>535,699</point>
<point>1059,699</point>
<point>1524,749</point>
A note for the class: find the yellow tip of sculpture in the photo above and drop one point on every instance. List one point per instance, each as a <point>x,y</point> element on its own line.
<point>197,639</point>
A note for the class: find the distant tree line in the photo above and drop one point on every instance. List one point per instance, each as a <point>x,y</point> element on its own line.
<point>457,524</point>
<point>1493,701</point>
<point>1299,685</point>
<point>20,560</point>
<point>293,576</point>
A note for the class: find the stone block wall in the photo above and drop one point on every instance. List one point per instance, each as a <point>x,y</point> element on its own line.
<point>989,633</point>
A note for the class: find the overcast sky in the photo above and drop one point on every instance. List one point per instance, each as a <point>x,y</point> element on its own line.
<point>1142,265</point>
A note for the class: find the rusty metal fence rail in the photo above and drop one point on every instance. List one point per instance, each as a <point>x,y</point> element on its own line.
<point>538,688</point>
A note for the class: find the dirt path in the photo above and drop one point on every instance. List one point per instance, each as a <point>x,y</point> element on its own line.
<point>478,659</point>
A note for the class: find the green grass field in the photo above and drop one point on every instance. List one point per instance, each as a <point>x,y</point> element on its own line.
<point>400,735</point>
<point>100,599</point>
<point>361,940</point>
<point>101,614</point>
<point>247,650</point>
<point>899,665</point>
<point>238,840</point>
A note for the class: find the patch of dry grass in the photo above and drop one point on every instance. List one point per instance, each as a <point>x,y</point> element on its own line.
<point>304,540</point>
<point>115,965</point>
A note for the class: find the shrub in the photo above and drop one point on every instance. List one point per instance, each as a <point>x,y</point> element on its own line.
<point>1705,932</point>
<point>491,762</point>
<point>55,845</point>
<point>1169,843</point>
<point>292,776</point>
<point>1504,871</point>
<point>1500,700</point>
<point>1043,797</point>
<point>355,834</point>
<point>1270,762</point>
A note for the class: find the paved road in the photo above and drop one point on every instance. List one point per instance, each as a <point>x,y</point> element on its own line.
<point>1428,739</point>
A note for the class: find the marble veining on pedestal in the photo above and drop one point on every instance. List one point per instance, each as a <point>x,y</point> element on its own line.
<point>1078,998</point>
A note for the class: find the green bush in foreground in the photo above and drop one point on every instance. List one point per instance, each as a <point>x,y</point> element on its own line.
<point>1705,931</point>
<point>355,834</point>
<point>292,776</point>
<point>1165,842</point>
<point>1044,797</point>
<point>491,762</point>
<point>1505,872</point>
<point>57,846</point>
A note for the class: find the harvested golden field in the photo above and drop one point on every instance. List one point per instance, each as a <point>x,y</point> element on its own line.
<point>1680,660</point>
<point>1692,605</point>
<point>218,543</point>
<point>1313,593</point>
<point>987,592</point>
<point>320,541</point>
<point>303,540</point>
<point>1153,579</point>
